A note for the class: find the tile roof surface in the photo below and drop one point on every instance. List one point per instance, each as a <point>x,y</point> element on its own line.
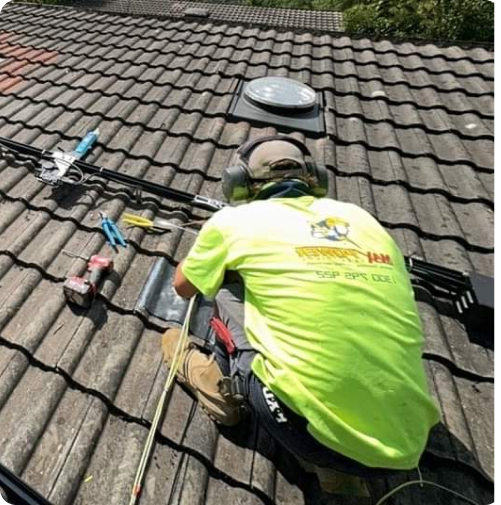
<point>228,11</point>
<point>409,138</point>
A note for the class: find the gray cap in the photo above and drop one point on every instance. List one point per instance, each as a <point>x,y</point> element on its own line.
<point>263,158</point>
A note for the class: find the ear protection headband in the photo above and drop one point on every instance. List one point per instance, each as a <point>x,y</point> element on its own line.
<point>239,185</point>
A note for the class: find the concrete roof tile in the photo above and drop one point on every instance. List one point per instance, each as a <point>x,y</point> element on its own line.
<point>409,137</point>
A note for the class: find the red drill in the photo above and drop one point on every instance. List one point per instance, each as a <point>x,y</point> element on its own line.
<point>80,290</point>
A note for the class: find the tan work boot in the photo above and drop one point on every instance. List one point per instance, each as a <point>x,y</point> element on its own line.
<point>335,482</point>
<point>202,376</point>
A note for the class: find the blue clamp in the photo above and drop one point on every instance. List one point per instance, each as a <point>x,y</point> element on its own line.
<point>113,234</point>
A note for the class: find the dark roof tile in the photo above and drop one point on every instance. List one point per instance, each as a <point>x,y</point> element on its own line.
<point>409,137</point>
<point>234,12</point>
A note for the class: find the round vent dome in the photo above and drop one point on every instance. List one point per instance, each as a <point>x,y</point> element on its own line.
<point>280,92</point>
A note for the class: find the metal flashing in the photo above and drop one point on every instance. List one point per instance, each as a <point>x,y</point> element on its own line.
<point>309,121</point>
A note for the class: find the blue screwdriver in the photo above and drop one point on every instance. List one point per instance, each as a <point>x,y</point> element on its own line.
<point>85,145</point>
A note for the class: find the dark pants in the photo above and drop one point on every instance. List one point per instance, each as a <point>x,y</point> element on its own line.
<point>284,425</point>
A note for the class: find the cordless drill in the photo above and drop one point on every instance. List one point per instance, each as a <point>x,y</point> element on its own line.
<point>82,290</point>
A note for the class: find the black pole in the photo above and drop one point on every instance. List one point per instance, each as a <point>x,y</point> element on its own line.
<point>17,492</point>
<point>153,188</point>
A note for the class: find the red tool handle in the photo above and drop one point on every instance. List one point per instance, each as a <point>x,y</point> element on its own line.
<point>97,266</point>
<point>223,334</point>
<point>102,262</point>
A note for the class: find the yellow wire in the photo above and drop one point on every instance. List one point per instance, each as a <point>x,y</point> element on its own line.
<point>136,488</point>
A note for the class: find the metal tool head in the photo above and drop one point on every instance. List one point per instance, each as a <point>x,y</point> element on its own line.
<point>55,169</point>
<point>73,255</point>
<point>49,173</point>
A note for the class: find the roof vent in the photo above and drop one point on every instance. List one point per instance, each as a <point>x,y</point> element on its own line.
<point>286,103</point>
<point>196,12</point>
<point>280,92</point>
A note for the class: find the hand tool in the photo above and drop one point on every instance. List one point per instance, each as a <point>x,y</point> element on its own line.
<point>55,170</point>
<point>80,290</point>
<point>143,222</point>
<point>113,234</point>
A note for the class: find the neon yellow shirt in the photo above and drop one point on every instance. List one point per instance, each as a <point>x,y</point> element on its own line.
<point>330,309</point>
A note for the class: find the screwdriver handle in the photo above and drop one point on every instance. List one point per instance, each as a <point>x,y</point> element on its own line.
<point>86,144</point>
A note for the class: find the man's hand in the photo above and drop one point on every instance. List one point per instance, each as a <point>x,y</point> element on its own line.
<point>182,285</point>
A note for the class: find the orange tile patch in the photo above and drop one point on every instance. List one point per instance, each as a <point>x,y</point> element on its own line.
<point>27,57</point>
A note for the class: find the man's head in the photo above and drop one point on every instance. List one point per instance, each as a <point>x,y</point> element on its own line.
<point>276,159</point>
<point>261,162</point>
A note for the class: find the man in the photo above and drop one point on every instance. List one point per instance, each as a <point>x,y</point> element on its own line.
<point>319,336</point>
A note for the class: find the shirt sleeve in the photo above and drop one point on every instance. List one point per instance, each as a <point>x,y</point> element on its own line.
<point>207,261</point>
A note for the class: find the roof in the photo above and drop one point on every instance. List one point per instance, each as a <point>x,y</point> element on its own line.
<point>409,138</point>
<point>232,11</point>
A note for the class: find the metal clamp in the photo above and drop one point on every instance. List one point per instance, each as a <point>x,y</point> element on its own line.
<point>208,203</point>
<point>53,171</point>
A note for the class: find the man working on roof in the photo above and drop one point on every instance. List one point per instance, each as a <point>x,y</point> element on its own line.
<point>326,347</point>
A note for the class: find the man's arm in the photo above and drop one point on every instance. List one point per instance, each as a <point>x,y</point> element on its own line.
<point>182,285</point>
<point>203,269</point>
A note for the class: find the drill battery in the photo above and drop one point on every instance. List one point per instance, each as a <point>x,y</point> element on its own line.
<point>81,291</point>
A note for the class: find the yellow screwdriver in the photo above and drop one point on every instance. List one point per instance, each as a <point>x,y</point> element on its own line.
<point>143,222</point>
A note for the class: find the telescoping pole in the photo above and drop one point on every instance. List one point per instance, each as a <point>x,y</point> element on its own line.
<point>16,492</point>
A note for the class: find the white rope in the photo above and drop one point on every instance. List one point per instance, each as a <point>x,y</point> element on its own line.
<point>421,482</point>
<point>136,488</point>
<point>420,476</point>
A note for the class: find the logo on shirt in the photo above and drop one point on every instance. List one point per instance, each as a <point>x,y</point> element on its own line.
<point>332,228</point>
<point>329,254</point>
<point>337,230</point>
